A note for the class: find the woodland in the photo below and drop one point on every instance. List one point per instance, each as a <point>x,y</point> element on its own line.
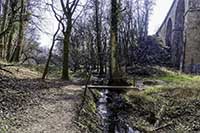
<point>102,72</point>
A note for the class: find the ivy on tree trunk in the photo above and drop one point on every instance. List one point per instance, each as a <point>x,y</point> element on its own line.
<point>116,74</point>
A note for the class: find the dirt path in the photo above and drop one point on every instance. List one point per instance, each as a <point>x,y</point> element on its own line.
<point>30,105</point>
<point>54,114</point>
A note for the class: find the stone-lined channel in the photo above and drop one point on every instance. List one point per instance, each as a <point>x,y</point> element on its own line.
<point>111,108</point>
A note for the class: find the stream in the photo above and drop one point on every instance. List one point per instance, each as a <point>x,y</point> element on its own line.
<point>111,108</point>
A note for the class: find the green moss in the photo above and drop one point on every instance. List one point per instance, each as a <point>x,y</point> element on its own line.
<point>5,125</point>
<point>88,120</point>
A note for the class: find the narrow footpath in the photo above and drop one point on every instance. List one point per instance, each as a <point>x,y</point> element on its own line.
<point>31,105</point>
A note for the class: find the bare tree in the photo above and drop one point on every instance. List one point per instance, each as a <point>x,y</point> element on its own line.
<point>68,8</point>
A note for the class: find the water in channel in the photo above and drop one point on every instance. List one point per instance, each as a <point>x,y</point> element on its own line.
<point>109,106</point>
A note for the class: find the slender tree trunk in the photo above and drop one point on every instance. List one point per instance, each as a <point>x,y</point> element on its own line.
<point>50,53</point>
<point>104,50</point>
<point>3,25</point>
<point>9,45</point>
<point>146,19</point>
<point>0,6</point>
<point>126,50</point>
<point>98,37</point>
<point>92,62</point>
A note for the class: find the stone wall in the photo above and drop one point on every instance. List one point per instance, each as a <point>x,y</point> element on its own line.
<point>192,34</point>
<point>185,40</point>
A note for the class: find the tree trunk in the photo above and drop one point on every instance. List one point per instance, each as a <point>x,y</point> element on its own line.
<point>17,51</point>
<point>3,25</point>
<point>146,19</point>
<point>116,75</point>
<point>0,6</point>
<point>50,53</point>
<point>67,33</point>
<point>9,45</point>
<point>98,37</point>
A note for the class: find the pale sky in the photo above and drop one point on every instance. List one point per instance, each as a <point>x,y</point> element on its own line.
<point>159,13</point>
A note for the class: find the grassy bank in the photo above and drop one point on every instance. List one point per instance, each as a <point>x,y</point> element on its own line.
<point>88,120</point>
<point>169,103</point>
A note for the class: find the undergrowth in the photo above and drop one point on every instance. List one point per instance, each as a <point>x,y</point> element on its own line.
<point>88,119</point>
<point>171,106</point>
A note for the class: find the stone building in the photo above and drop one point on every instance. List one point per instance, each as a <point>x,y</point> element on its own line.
<point>180,32</point>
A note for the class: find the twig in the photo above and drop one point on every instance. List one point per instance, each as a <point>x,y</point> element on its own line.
<point>2,69</point>
<point>163,126</point>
